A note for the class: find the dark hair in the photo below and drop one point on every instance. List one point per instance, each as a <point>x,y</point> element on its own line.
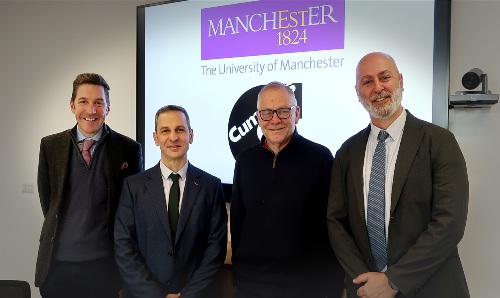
<point>170,108</point>
<point>90,78</point>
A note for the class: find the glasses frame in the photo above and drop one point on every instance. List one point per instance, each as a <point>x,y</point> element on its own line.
<point>276,111</point>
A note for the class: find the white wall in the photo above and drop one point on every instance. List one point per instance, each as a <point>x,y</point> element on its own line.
<point>45,44</point>
<point>475,43</point>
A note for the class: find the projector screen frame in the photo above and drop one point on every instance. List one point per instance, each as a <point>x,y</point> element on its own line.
<point>440,87</point>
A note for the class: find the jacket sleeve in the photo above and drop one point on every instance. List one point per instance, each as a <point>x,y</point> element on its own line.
<point>136,275</point>
<point>215,252</point>
<point>43,179</point>
<point>137,162</point>
<point>448,196</point>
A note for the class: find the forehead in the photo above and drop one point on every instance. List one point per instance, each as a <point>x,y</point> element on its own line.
<point>373,66</point>
<point>172,119</point>
<point>274,97</point>
<point>90,91</point>
<point>86,88</point>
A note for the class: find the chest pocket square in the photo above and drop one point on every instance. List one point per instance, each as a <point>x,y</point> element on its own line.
<point>124,165</point>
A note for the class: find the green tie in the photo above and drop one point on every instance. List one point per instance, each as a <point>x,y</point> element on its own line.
<point>173,203</point>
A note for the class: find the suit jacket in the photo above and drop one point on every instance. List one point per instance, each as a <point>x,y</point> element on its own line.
<point>427,217</point>
<point>124,157</point>
<point>151,263</point>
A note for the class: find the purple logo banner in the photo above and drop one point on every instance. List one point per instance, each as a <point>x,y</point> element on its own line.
<point>272,27</point>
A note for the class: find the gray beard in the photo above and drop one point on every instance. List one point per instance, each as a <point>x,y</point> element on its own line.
<point>386,111</point>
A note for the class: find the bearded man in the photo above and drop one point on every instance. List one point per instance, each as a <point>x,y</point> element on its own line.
<point>398,199</point>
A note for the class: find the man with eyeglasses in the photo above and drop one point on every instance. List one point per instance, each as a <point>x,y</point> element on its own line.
<point>280,245</point>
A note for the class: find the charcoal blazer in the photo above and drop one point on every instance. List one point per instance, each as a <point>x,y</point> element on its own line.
<point>153,264</point>
<point>124,158</point>
<point>430,194</point>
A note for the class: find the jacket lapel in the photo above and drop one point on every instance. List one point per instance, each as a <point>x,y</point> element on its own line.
<point>357,159</point>
<point>156,193</point>
<point>63,158</point>
<point>114,154</point>
<point>410,143</point>
<point>191,190</point>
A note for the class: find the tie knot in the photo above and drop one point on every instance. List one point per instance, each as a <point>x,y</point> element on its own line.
<point>87,143</point>
<point>175,177</point>
<point>382,135</point>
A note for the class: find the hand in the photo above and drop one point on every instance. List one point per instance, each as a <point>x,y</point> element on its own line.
<point>376,286</point>
<point>173,295</point>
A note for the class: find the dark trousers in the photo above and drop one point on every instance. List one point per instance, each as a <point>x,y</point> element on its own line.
<point>91,279</point>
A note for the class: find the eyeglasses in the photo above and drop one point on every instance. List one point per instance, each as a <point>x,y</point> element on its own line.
<point>282,113</point>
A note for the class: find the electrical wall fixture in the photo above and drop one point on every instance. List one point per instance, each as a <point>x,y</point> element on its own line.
<point>474,99</point>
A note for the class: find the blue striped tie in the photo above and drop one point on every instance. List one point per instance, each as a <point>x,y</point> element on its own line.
<point>375,219</point>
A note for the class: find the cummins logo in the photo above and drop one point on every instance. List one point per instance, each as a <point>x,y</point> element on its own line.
<point>243,128</point>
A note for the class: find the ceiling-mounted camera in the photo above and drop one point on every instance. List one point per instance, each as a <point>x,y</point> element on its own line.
<point>473,78</point>
<point>474,99</point>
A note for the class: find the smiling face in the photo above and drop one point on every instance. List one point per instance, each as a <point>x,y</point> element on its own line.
<point>379,86</point>
<point>173,136</point>
<point>90,108</point>
<point>278,132</point>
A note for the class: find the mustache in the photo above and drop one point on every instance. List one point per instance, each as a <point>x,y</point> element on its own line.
<point>381,95</point>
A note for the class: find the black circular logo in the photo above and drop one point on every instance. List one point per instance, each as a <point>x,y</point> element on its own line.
<point>243,125</point>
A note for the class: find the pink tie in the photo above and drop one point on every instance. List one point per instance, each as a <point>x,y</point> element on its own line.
<point>87,143</point>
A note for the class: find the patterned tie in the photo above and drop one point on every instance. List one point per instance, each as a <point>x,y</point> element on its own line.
<point>173,203</point>
<point>87,143</point>
<point>376,204</point>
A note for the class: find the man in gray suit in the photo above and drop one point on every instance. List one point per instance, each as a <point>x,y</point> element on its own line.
<point>157,255</point>
<point>80,172</point>
<point>424,197</point>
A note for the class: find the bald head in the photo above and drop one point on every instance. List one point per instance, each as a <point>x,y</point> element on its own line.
<point>375,61</point>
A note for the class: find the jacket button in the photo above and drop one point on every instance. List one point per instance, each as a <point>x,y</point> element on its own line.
<point>170,253</point>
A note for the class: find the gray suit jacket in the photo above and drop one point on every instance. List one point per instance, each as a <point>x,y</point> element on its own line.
<point>124,157</point>
<point>429,202</point>
<point>151,263</point>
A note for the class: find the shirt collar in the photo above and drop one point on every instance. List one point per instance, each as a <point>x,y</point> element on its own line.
<point>394,129</point>
<point>80,136</point>
<point>165,172</point>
